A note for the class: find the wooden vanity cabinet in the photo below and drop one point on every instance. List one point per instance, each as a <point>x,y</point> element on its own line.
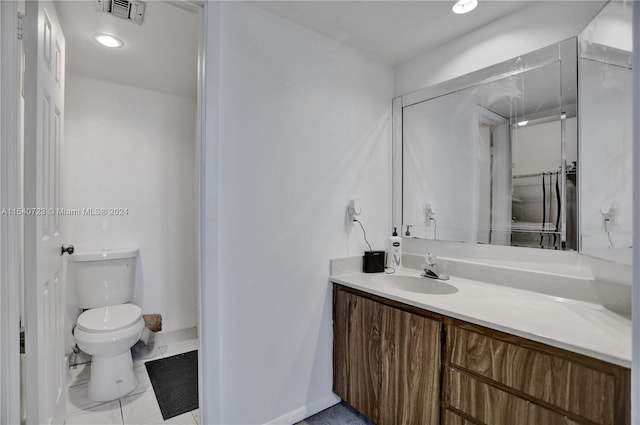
<point>494,378</point>
<point>356,351</point>
<point>398,364</point>
<point>386,359</point>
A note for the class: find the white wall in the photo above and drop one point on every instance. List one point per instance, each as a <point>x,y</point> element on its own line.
<point>612,27</point>
<point>538,25</point>
<point>131,148</point>
<point>305,126</point>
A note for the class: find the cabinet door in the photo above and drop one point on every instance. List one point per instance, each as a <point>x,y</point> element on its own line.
<point>356,352</point>
<point>410,391</point>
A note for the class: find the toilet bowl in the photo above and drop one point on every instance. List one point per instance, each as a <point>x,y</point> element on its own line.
<point>110,324</point>
<point>107,334</point>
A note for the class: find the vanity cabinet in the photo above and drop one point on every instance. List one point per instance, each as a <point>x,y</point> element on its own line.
<point>398,364</point>
<point>386,359</point>
<point>495,378</point>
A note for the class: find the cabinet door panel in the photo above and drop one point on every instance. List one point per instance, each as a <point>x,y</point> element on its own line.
<point>356,369</point>
<point>493,406</point>
<point>569,385</point>
<point>410,391</point>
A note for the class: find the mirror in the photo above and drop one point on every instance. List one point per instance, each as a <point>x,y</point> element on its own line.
<point>606,122</point>
<point>491,157</point>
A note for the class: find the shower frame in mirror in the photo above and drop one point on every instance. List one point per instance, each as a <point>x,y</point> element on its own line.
<point>564,52</point>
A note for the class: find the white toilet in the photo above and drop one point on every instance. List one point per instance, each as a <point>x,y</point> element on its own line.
<point>110,326</point>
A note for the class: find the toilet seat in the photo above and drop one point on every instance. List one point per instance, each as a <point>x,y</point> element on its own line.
<point>109,319</point>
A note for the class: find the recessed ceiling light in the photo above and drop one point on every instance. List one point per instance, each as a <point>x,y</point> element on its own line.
<point>523,123</point>
<point>464,6</point>
<point>107,40</point>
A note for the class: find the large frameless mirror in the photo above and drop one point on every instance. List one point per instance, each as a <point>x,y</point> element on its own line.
<point>534,152</point>
<point>491,157</point>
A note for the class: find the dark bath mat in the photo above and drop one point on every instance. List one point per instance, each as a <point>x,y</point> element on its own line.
<point>175,382</point>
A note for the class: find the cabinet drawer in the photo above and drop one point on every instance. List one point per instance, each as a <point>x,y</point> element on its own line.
<point>493,406</point>
<point>569,385</point>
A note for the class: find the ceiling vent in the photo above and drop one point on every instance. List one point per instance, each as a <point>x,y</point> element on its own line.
<point>130,10</point>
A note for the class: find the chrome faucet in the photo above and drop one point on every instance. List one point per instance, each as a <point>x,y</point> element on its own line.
<point>431,268</point>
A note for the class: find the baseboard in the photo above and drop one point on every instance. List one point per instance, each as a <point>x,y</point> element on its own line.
<point>168,337</point>
<point>305,411</point>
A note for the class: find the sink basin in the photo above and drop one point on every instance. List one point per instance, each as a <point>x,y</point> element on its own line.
<point>418,284</point>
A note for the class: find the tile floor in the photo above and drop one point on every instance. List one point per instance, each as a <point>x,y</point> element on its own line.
<point>136,408</point>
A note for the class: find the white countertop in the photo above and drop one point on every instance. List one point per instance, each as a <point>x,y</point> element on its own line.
<point>576,326</point>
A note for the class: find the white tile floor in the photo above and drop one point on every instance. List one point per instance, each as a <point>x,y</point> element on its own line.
<point>137,407</point>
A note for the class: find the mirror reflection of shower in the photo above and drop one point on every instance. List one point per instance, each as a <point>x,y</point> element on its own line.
<point>499,157</point>
<point>539,186</point>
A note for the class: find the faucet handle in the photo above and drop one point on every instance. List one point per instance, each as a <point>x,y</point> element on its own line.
<point>408,232</point>
<point>430,259</point>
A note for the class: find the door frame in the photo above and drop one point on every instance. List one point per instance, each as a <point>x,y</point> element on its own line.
<point>635,302</point>
<point>10,411</point>
<point>207,227</point>
<point>207,142</point>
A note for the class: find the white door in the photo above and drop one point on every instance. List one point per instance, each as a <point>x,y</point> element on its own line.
<point>43,279</point>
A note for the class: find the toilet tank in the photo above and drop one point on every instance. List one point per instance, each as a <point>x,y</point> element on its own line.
<point>104,278</point>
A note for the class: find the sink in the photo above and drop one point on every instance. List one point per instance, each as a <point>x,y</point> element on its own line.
<point>418,284</point>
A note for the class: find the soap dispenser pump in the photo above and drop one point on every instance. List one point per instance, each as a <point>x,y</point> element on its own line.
<point>395,249</point>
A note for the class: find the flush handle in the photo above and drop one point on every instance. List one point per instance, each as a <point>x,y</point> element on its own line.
<point>69,250</point>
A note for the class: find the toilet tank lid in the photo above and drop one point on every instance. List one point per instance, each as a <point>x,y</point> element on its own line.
<point>105,254</point>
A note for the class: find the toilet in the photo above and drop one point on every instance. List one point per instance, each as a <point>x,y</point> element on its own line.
<point>110,324</point>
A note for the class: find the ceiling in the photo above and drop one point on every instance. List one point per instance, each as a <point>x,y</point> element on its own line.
<point>161,54</point>
<point>392,31</point>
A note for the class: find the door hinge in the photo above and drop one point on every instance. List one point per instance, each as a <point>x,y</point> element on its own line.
<point>22,350</point>
<point>20,19</point>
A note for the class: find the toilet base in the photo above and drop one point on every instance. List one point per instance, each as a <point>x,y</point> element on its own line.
<point>111,377</point>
